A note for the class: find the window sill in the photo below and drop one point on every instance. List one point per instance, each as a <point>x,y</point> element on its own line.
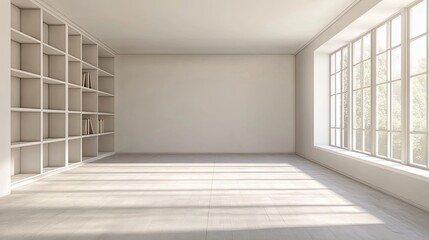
<point>378,162</point>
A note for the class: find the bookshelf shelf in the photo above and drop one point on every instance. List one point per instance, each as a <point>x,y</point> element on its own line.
<point>49,80</point>
<point>105,133</point>
<point>23,74</point>
<point>50,50</point>
<point>74,138</point>
<point>88,90</point>
<point>51,98</point>
<point>103,73</point>
<point>35,110</point>
<point>21,37</point>
<point>104,94</point>
<point>53,140</point>
<point>88,66</point>
<point>72,58</point>
<point>89,136</point>
<point>23,144</point>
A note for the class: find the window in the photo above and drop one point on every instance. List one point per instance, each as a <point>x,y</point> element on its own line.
<point>388,86</point>
<point>368,102</point>
<point>362,94</point>
<point>418,130</point>
<point>339,98</point>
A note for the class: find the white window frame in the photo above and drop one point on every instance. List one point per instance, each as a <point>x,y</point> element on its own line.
<point>405,88</point>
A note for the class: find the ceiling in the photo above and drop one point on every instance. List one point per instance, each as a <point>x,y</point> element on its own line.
<point>202,26</point>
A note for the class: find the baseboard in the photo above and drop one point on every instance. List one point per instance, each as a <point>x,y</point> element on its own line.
<point>203,153</point>
<point>401,198</point>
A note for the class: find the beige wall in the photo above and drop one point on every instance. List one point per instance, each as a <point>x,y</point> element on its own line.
<point>5,97</point>
<point>410,189</point>
<point>205,104</point>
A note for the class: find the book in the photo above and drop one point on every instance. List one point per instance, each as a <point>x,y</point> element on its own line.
<point>91,127</point>
<point>85,127</point>
<point>100,125</point>
<point>86,80</point>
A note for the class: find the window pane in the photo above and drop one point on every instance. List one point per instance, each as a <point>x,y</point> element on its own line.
<point>345,80</point>
<point>418,103</point>
<point>357,51</point>
<point>338,61</point>
<point>357,141</point>
<point>396,31</point>
<point>332,84</point>
<point>382,144</point>
<point>345,109</point>
<point>418,19</point>
<point>366,47</point>
<point>367,73</point>
<point>357,76</point>
<point>367,141</point>
<point>419,149</point>
<point>338,137</point>
<point>338,82</point>
<point>396,146</point>
<point>332,136</point>
<point>381,35</point>
<point>381,68</point>
<point>396,106</point>
<point>345,138</point>
<point>345,58</point>
<point>367,108</point>
<point>357,115</point>
<point>382,107</point>
<point>396,64</point>
<point>418,56</point>
<point>338,111</point>
<point>332,111</point>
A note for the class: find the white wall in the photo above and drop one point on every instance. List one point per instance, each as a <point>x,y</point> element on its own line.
<point>410,189</point>
<point>5,97</point>
<point>205,104</point>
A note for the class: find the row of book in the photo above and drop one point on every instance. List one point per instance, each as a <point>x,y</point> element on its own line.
<point>86,79</point>
<point>88,127</point>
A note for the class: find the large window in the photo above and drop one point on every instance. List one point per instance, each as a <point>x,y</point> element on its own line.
<point>383,119</point>
<point>339,99</point>
<point>418,84</point>
<point>361,51</point>
<point>388,84</point>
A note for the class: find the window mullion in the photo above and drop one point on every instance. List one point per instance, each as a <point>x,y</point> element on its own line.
<point>350,100</point>
<point>405,83</point>
<point>373,94</point>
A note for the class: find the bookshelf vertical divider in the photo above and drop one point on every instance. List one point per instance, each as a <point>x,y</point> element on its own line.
<point>62,85</point>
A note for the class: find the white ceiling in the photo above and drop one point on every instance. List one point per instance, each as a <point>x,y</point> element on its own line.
<point>202,26</point>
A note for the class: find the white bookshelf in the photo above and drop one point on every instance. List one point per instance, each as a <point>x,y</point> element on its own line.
<point>48,99</point>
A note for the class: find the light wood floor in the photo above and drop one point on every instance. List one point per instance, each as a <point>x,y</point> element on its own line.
<point>206,197</point>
